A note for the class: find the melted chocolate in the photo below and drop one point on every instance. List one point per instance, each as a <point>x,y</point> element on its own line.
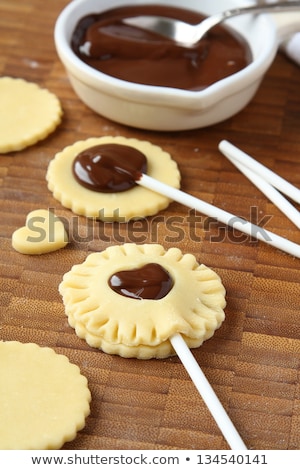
<point>109,168</point>
<point>151,281</point>
<point>129,53</point>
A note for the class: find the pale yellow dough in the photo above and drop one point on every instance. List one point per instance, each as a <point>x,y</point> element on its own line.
<point>44,398</point>
<point>142,328</point>
<point>43,232</point>
<point>28,113</point>
<point>135,203</point>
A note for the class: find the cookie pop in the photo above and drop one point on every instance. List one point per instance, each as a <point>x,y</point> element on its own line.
<point>162,179</point>
<point>146,302</point>
<point>92,177</point>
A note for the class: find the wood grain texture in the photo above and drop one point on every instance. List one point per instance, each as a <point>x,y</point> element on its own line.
<point>253,360</point>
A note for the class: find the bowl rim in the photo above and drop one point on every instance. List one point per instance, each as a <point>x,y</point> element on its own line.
<point>149,93</point>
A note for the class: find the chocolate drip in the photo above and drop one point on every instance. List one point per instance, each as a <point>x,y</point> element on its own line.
<point>151,281</point>
<point>109,168</point>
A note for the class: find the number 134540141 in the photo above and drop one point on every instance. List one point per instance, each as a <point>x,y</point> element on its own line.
<point>238,459</point>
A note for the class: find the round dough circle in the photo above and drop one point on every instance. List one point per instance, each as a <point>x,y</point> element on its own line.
<point>142,328</point>
<point>44,398</point>
<point>136,203</point>
<point>28,114</point>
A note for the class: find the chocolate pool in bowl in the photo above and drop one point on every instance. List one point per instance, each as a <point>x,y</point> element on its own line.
<point>160,107</point>
<point>106,43</point>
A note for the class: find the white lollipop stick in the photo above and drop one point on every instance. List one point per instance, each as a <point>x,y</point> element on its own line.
<point>220,215</point>
<point>268,190</point>
<point>275,180</point>
<point>207,393</point>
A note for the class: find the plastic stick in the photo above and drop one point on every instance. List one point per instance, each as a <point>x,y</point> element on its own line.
<point>219,214</point>
<point>207,393</point>
<point>268,190</point>
<point>275,180</point>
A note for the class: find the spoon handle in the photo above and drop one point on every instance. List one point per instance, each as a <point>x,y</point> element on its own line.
<point>261,8</point>
<point>188,35</point>
<point>211,21</point>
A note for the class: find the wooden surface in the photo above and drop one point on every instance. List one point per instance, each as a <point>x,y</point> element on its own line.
<point>253,360</point>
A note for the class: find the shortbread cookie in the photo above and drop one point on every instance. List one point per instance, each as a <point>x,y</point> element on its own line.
<point>167,292</point>
<point>43,233</point>
<point>44,398</point>
<point>134,203</point>
<point>28,114</point>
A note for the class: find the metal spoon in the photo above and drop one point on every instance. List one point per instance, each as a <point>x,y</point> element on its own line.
<point>187,34</point>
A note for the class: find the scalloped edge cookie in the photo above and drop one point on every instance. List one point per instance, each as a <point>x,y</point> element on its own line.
<point>136,203</point>
<point>44,398</point>
<point>28,113</point>
<point>142,328</point>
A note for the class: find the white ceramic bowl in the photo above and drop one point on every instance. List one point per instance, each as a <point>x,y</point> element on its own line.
<point>160,108</point>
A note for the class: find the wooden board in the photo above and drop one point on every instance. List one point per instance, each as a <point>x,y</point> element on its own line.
<point>253,360</point>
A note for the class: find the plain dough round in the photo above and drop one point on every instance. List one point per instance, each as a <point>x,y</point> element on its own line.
<point>135,203</point>
<point>44,398</point>
<point>28,114</point>
<point>142,328</point>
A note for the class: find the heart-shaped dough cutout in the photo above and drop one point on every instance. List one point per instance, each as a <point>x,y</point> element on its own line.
<point>44,232</point>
